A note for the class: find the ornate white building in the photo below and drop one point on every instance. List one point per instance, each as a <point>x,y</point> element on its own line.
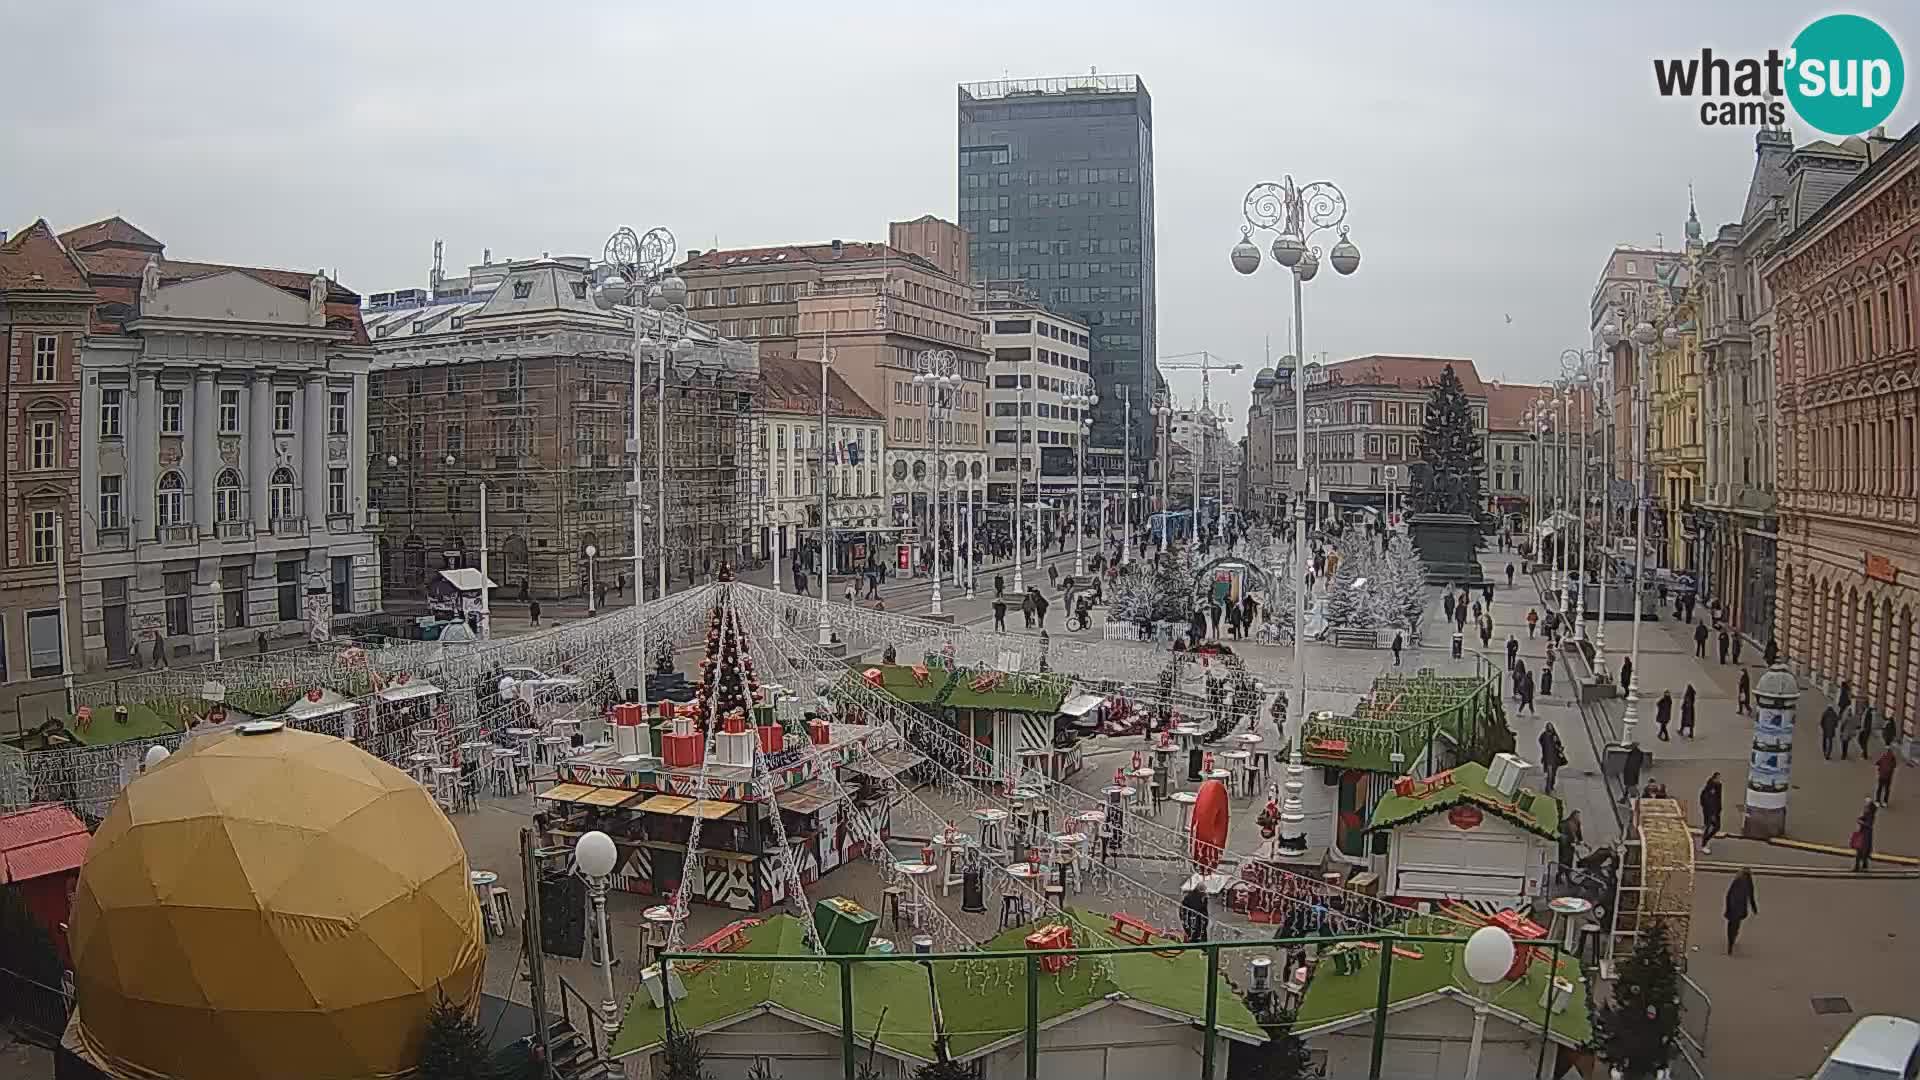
<point>224,460</point>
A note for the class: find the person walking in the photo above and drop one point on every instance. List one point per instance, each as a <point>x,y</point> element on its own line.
<point>1737,639</point>
<point>1888,730</point>
<point>1552,755</point>
<point>1526,693</point>
<point>1513,651</point>
<point>999,585</point>
<point>1867,722</point>
<point>1446,604</point>
<point>1533,622</point>
<point>1040,610</point>
<point>1026,608</point>
<point>1849,728</point>
<point>1509,575</point>
<point>1000,613</point>
<point>1829,727</point>
<point>1741,903</point>
<point>1772,655</point>
<point>1710,793</point>
<point>1862,839</point>
<point>1883,767</point>
<point>1846,695</point>
<point>1546,679</point>
<point>533,612</point>
<point>1663,714</point>
<point>1700,641</point>
<point>1630,771</point>
<point>260,643</point>
<point>1476,611</point>
<point>1626,674</point>
<point>1725,644</point>
<point>1486,634</point>
<point>1743,701</point>
<point>1399,641</point>
<point>160,652</point>
<point>1687,702</point>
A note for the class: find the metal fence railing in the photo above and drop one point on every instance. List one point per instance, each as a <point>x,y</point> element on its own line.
<point>34,1010</point>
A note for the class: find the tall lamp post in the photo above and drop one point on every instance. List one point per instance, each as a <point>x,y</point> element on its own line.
<point>1020,477</point>
<point>1296,215</point>
<point>1583,367</point>
<point>217,590</point>
<point>1126,475</point>
<point>1081,401</point>
<point>594,856</point>
<point>1163,411</point>
<point>1644,336</point>
<point>938,372</point>
<point>823,635</point>
<point>1602,368</point>
<point>592,594</point>
<point>636,272</point>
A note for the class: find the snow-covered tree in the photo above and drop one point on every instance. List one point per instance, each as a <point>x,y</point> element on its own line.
<point>1155,589</point>
<point>1400,591</point>
<point>1349,603</point>
<point>1274,557</point>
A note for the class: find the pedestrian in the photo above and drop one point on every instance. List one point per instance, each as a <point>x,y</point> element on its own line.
<point>1040,611</point>
<point>1846,695</point>
<point>1193,909</point>
<point>1213,617</point>
<point>1700,641</point>
<point>1862,840</point>
<point>1663,714</point>
<point>1626,674</point>
<point>1526,693</point>
<point>1829,726</point>
<point>1487,594</point>
<point>1533,622</point>
<point>1740,903</point>
<point>1709,813</point>
<point>1636,759</point>
<point>1000,613</point>
<point>1546,679</point>
<point>1513,651</point>
<point>1744,695</point>
<point>1026,608</point>
<point>1888,730</point>
<point>260,642</point>
<point>1509,575</point>
<point>1053,575</point>
<point>1687,702</point>
<point>160,651</point>
<point>1849,728</point>
<point>1457,639</point>
<point>1867,722</point>
<point>1399,642</point>
<point>852,596</point>
<point>800,582</point>
<point>1446,603</point>
<point>1883,767</point>
<point>999,585</point>
<point>1486,634</point>
<point>1737,639</point>
<point>1476,610</point>
<point>1552,756</point>
<point>533,612</point>
<point>1725,643</point>
<point>1772,655</point>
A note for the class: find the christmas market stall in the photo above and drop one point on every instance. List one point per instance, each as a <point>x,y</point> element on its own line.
<point>1470,833</point>
<point>706,793</point>
<point>1007,715</point>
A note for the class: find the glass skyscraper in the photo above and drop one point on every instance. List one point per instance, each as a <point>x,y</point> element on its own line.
<point>1056,191</point>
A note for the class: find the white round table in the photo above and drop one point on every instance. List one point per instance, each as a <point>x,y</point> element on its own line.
<point>1570,909</point>
<point>1186,799</point>
<point>945,847</point>
<point>1190,736</point>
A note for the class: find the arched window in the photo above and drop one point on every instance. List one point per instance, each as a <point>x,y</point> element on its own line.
<point>170,504</point>
<point>226,496</point>
<point>281,492</point>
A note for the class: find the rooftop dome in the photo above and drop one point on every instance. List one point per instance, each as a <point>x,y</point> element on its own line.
<point>268,905</point>
<point>1263,377</point>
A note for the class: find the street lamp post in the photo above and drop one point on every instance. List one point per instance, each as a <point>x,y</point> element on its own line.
<point>1643,338</point>
<point>216,620</point>
<point>594,854</point>
<point>1081,401</point>
<point>636,274</point>
<point>938,373</point>
<point>823,633</point>
<point>1020,476</point>
<point>1126,474</point>
<point>1609,337</point>
<point>591,593</point>
<point>1163,409</point>
<point>1296,215</point>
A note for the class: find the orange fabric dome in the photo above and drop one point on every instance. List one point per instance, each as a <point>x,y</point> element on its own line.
<point>270,905</point>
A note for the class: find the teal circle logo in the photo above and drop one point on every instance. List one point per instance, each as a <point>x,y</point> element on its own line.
<point>1846,74</point>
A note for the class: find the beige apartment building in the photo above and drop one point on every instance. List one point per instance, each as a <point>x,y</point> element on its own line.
<point>874,309</point>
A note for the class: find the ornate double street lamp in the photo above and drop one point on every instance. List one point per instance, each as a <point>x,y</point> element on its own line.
<point>1582,367</point>
<point>1081,401</point>
<point>939,373</point>
<point>638,271</point>
<point>1296,215</point>
<point>1644,335</point>
<point>1163,411</point>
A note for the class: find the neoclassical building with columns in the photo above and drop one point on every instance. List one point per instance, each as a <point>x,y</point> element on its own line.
<point>1848,590</point>
<point>223,458</point>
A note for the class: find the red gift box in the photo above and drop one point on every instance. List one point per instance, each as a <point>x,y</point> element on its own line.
<point>666,708</point>
<point>627,715</point>
<point>819,731</point>
<point>1050,938</point>
<point>773,738</point>
<point>682,751</point>
<point>734,724</point>
<point>1522,930</point>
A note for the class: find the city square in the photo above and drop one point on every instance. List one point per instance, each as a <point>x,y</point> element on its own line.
<point>1084,614</point>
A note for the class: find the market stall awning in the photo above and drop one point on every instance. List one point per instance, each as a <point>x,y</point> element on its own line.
<point>808,798</point>
<point>883,763</point>
<point>1081,704</point>
<point>408,691</point>
<point>566,792</point>
<point>609,797</point>
<point>681,806</point>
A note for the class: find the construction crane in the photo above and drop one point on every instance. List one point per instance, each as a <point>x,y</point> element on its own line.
<point>1206,364</point>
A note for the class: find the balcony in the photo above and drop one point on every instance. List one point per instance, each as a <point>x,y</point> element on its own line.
<point>234,530</point>
<point>112,538</point>
<point>290,526</point>
<point>179,534</point>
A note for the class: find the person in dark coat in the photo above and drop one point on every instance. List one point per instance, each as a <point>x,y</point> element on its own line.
<point>1700,640</point>
<point>1863,837</point>
<point>1741,903</point>
<point>1399,642</point>
<point>1026,608</point>
<point>1829,727</point>
<point>1525,679</point>
<point>1846,696</point>
<point>1546,679</point>
<point>1552,755</point>
<point>1193,910</point>
<point>1626,674</point>
<point>1772,654</point>
<point>1687,712</point>
<point>1725,643</point>
<point>1743,701</point>
<point>1663,714</point>
<point>1509,575</point>
<point>1513,651</point>
<point>1630,770</point>
<point>1737,639</point>
<point>1446,604</point>
<point>1709,813</point>
<point>999,613</point>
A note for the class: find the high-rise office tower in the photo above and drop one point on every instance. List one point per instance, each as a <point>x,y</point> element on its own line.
<point>1056,190</point>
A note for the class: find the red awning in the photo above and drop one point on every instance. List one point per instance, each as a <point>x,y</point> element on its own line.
<point>42,860</point>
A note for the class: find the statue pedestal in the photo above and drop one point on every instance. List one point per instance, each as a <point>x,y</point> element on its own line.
<point>1448,545</point>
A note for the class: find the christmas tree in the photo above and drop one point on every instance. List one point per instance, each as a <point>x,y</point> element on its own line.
<point>1400,595</point>
<point>1639,1027</point>
<point>1350,592</point>
<point>684,1057</point>
<point>1274,557</point>
<point>1451,473</point>
<point>1282,1057</point>
<point>455,1047</point>
<point>1157,589</point>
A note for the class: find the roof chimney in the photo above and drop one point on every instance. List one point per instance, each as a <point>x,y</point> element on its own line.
<point>3,236</point>
<point>693,253</point>
<point>836,249</point>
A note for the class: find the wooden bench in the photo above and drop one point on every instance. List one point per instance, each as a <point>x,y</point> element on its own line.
<point>1348,637</point>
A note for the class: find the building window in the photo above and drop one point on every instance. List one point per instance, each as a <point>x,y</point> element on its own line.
<point>43,444</point>
<point>110,505</point>
<point>281,493</point>
<point>776,294</point>
<point>286,576</point>
<point>233,596</point>
<point>170,402</point>
<point>42,536</point>
<point>342,585</point>
<point>753,294</point>
<point>43,643</point>
<point>178,586</point>
<point>282,409</point>
<point>46,358</point>
<point>456,382</point>
<point>170,501</point>
<point>337,492</point>
<point>110,412</point>
<point>337,412</point>
<point>226,496</point>
<point>456,437</point>
<point>230,412</point>
<point>733,296</point>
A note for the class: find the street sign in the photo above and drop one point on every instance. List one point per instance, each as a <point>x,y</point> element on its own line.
<point>1393,474</point>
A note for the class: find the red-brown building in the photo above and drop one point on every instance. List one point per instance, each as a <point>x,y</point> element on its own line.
<point>1848,586</point>
<point>44,300</point>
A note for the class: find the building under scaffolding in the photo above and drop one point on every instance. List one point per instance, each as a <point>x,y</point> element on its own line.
<point>514,379</point>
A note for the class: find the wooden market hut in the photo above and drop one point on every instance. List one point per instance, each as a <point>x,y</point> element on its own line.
<point>1001,713</point>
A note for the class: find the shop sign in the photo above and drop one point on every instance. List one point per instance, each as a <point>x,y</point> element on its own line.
<point>1881,568</point>
<point>1465,817</point>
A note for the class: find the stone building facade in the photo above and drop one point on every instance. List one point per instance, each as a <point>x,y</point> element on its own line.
<point>1844,284</point>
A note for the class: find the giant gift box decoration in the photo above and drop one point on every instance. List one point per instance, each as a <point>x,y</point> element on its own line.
<point>682,748</point>
<point>1048,939</point>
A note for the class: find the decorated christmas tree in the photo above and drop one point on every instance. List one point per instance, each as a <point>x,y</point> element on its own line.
<point>1273,556</point>
<point>1639,1028</point>
<point>1350,592</point>
<point>1400,595</point>
<point>1156,589</point>
<point>727,680</point>
<point>1451,473</point>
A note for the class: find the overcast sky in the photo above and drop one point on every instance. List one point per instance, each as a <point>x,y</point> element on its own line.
<point>1491,153</point>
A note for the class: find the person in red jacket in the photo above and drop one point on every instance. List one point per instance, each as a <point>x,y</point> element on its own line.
<point>1883,768</point>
